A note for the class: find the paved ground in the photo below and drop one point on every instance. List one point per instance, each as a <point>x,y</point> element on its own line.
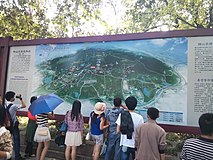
<point>84,152</point>
<point>34,158</point>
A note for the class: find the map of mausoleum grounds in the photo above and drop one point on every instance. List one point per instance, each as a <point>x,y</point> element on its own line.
<point>154,71</point>
<point>98,74</point>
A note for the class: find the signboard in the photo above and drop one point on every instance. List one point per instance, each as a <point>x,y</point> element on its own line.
<point>171,74</point>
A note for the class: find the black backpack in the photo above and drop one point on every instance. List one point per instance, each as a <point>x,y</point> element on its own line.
<point>127,125</point>
<point>12,125</point>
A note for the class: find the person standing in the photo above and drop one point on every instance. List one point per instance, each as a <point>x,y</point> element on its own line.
<point>96,127</point>
<point>127,123</point>
<point>113,138</point>
<point>42,134</point>
<point>6,142</point>
<point>150,138</point>
<point>7,120</point>
<point>12,109</point>
<point>30,131</point>
<point>200,148</point>
<point>75,128</point>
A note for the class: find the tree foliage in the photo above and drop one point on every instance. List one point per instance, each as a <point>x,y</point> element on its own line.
<point>28,19</point>
<point>149,15</point>
<point>23,19</point>
<point>77,16</point>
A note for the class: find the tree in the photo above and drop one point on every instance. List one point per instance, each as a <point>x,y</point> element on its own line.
<point>149,15</point>
<point>23,19</point>
<point>28,19</point>
<point>78,17</point>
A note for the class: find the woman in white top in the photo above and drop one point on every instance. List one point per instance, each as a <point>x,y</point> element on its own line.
<point>42,134</point>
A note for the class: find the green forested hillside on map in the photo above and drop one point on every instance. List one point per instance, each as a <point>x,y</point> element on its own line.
<point>95,74</point>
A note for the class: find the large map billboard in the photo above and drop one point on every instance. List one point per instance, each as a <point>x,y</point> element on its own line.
<point>152,70</point>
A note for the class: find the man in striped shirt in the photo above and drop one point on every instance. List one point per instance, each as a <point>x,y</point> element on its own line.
<point>200,148</point>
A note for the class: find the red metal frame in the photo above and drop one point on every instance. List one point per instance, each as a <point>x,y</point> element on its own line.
<point>119,37</point>
<point>6,43</point>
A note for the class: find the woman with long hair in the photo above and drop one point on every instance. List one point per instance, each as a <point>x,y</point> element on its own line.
<point>75,128</point>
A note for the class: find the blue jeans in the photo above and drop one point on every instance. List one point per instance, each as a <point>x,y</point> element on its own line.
<point>16,140</point>
<point>126,152</point>
<point>113,147</point>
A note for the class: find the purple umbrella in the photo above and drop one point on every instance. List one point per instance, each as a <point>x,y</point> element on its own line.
<point>45,104</point>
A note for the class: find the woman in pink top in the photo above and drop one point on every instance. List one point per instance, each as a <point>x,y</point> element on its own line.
<point>75,128</point>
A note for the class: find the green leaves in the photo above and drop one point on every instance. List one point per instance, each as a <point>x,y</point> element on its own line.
<point>32,19</point>
<point>23,20</point>
<point>175,14</point>
<point>75,16</point>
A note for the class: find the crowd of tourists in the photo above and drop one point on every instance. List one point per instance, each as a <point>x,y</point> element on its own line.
<point>119,130</point>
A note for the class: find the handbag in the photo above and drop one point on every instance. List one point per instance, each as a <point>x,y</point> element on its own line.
<point>88,136</point>
<point>59,140</point>
<point>63,127</point>
<point>42,131</point>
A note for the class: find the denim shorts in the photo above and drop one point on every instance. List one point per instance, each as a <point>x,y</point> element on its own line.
<point>98,139</point>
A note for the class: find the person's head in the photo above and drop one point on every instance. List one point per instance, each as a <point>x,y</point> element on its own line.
<point>153,113</point>
<point>131,103</point>
<point>76,110</point>
<point>100,108</point>
<point>10,96</point>
<point>2,115</point>
<point>206,124</point>
<point>76,106</point>
<point>32,99</point>
<point>117,102</point>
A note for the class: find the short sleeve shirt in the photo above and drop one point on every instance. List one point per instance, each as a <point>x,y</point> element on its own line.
<point>112,116</point>
<point>13,109</point>
<point>42,119</point>
<point>137,120</point>
<point>75,125</point>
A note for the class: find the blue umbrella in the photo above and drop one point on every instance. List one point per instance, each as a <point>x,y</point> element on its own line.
<point>45,104</point>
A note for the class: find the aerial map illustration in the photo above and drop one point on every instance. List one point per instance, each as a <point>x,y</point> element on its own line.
<point>154,71</point>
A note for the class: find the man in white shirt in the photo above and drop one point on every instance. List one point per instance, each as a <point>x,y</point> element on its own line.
<point>12,109</point>
<point>131,121</point>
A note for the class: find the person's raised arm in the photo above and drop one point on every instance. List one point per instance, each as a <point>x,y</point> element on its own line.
<point>102,126</point>
<point>51,115</point>
<point>23,104</point>
<point>123,106</point>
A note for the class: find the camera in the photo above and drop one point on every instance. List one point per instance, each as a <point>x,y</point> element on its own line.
<point>18,96</point>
